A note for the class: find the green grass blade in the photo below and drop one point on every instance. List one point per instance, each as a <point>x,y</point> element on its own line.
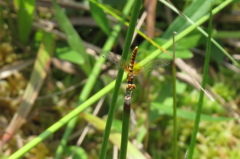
<point>195,11</point>
<point>125,127</point>
<point>204,82</point>
<point>127,24</point>
<point>216,10</point>
<point>126,48</point>
<point>227,34</point>
<point>175,132</point>
<point>73,39</point>
<point>92,79</point>
<point>1,17</point>
<point>185,32</point>
<point>160,109</point>
<point>25,15</point>
<point>100,17</point>
<point>114,137</point>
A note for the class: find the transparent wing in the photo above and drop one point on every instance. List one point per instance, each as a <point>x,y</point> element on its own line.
<point>113,58</point>
<point>137,69</point>
<point>123,64</point>
<point>154,64</point>
<point>116,60</point>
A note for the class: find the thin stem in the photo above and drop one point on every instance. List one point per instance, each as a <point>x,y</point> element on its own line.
<point>125,127</point>
<point>133,21</point>
<point>204,82</point>
<point>175,132</point>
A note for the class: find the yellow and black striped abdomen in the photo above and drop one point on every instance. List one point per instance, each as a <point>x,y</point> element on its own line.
<point>130,77</point>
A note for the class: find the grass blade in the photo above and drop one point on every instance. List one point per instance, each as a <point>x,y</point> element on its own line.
<point>175,132</point>
<point>37,78</point>
<point>195,11</point>
<point>100,17</point>
<point>204,82</point>
<point>185,32</point>
<point>125,127</point>
<point>126,48</point>
<point>92,79</point>
<point>25,18</point>
<point>73,39</point>
<point>217,9</point>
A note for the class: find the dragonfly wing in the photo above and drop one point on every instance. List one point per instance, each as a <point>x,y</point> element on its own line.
<point>111,57</point>
<point>115,59</point>
<point>124,65</point>
<point>155,64</point>
<point>137,69</point>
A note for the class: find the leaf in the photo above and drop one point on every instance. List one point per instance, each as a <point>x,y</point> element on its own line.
<point>196,10</point>
<point>192,40</point>
<point>73,39</point>
<point>114,2</point>
<point>66,53</point>
<point>25,12</point>
<point>181,51</point>
<point>100,17</point>
<point>157,109</point>
<point>75,152</point>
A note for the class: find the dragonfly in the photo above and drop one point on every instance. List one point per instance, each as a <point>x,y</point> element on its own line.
<point>134,69</point>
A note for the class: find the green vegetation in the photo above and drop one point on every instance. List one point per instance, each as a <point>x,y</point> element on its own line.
<point>61,93</point>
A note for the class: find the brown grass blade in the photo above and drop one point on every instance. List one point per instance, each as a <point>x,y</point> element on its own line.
<point>41,67</point>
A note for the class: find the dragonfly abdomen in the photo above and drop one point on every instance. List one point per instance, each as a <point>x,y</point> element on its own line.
<point>130,78</point>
